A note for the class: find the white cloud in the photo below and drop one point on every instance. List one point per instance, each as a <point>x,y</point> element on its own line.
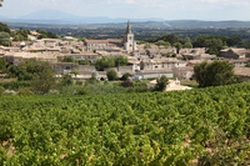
<point>226,2</point>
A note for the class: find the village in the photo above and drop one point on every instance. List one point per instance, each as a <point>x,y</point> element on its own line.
<point>144,61</point>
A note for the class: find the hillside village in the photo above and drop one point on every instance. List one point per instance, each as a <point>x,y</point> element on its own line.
<point>144,61</point>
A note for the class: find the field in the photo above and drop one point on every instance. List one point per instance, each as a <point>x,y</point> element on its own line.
<point>208,126</point>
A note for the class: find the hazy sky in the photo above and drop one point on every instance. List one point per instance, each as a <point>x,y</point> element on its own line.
<point>166,9</point>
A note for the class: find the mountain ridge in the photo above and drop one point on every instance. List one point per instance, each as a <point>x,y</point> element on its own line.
<point>56,17</point>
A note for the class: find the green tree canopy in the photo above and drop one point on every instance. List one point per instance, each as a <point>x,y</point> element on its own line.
<point>112,75</point>
<point>215,74</point>
<point>120,61</point>
<point>66,80</point>
<point>171,38</point>
<point>4,28</point>
<point>46,34</point>
<point>188,44</point>
<point>5,39</point>
<point>39,73</point>
<point>21,35</point>
<point>178,46</point>
<point>107,62</point>
<point>161,84</point>
<point>163,43</point>
<point>2,64</point>
<point>213,43</point>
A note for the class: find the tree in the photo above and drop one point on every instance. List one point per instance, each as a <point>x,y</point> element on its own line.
<point>2,64</point>
<point>107,62</point>
<point>21,35</point>
<point>215,74</point>
<point>125,76</point>
<point>161,84</point>
<point>147,46</point>
<point>104,62</point>
<point>67,59</point>
<point>4,28</point>
<point>66,80</point>
<point>112,75</point>
<point>171,38</point>
<point>188,44</point>
<point>5,39</point>
<point>163,43</point>
<point>45,34</point>
<point>178,46</point>
<point>40,74</point>
<point>120,61</point>
<point>43,78</point>
<point>213,43</point>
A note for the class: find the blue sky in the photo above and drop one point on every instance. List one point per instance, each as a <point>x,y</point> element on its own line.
<point>165,9</point>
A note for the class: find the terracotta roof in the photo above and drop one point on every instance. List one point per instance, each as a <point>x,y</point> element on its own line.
<point>162,60</point>
<point>240,60</point>
<point>96,41</point>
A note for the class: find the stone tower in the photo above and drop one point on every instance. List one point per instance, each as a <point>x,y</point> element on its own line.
<point>129,40</point>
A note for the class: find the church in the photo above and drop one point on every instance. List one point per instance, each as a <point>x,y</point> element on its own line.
<point>129,40</point>
<point>127,43</point>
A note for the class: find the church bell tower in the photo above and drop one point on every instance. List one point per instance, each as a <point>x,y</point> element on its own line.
<point>129,41</point>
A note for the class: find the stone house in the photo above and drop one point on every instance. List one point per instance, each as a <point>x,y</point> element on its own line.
<point>240,62</point>
<point>152,74</point>
<point>234,53</point>
<point>88,56</point>
<point>18,57</point>
<point>242,72</point>
<point>84,71</point>
<point>63,67</point>
<point>184,73</point>
<point>161,63</point>
<point>93,45</point>
<point>196,54</point>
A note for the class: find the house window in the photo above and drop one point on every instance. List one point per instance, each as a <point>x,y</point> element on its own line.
<point>67,68</point>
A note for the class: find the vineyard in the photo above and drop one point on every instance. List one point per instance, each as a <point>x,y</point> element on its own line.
<point>208,126</point>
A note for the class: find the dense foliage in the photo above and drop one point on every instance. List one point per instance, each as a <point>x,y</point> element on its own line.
<point>21,35</point>
<point>46,34</point>
<point>215,73</point>
<point>214,43</point>
<point>107,62</point>
<point>4,28</point>
<point>198,127</point>
<point>39,73</point>
<point>112,75</point>
<point>161,84</point>
<point>5,39</point>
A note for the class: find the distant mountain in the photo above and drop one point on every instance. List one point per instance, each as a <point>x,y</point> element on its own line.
<point>194,24</point>
<point>55,17</point>
<point>50,16</point>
